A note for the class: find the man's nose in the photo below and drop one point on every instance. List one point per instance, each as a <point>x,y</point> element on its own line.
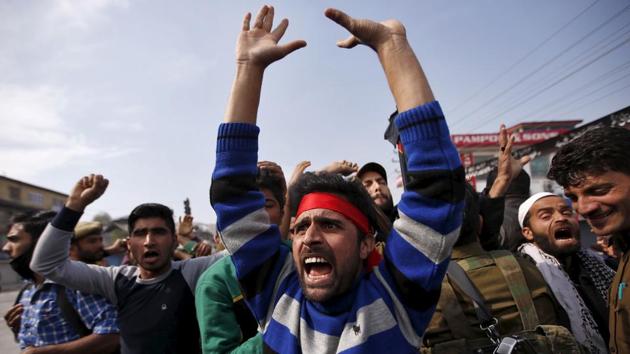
<point>149,238</point>
<point>312,235</point>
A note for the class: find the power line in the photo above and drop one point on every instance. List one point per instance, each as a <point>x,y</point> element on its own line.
<point>609,73</point>
<point>556,82</point>
<point>530,74</point>
<point>596,100</point>
<point>524,57</point>
<point>570,65</point>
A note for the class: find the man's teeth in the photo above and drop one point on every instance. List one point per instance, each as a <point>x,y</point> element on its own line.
<point>310,260</point>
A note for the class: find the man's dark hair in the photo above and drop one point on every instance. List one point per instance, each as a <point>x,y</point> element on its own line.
<point>595,152</point>
<point>151,210</point>
<point>34,222</point>
<point>352,190</point>
<point>470,224</point>
<point>274,184</point>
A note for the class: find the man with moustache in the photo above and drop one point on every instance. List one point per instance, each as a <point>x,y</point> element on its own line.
<point>320,295</point>
<point>579,280</point>
<point>374,178</point>
<point>155,299</point>
<point>47,317</point>
<point>87,244</point>
<point>594,171</point>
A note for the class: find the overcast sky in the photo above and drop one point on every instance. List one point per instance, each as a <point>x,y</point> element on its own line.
<point>135,90</point>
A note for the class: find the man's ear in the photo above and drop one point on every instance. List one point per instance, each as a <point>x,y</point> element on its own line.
<point>366,246</point>
<point>175,243</point>
<point>527,233</point>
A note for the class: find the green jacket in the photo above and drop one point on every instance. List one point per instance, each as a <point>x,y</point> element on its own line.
<point>225,323</point>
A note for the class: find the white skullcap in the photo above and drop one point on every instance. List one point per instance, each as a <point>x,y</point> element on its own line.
<point>526,205</point>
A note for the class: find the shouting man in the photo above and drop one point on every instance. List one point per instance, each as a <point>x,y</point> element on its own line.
<point>321,295</point>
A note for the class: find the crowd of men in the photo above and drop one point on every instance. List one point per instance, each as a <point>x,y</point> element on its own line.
<point>325,261</point>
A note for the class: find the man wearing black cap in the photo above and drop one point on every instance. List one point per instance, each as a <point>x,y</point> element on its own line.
<point>374,179</point>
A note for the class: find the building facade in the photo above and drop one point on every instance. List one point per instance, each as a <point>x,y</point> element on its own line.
<point>479,148</point>
<point>18,197</point>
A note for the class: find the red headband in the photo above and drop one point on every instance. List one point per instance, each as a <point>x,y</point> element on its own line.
<point>317,200</point>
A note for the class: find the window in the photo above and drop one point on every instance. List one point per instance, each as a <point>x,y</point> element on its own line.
<point>36,198</point>
<point>15,193</point>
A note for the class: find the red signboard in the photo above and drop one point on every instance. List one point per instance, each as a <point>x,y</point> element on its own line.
<point>524,138</point>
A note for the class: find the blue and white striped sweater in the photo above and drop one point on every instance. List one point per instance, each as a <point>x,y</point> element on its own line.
<point>390,307</point>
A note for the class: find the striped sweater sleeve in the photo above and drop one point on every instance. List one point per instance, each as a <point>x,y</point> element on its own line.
<point>419,246</point>
<point>244,226</point>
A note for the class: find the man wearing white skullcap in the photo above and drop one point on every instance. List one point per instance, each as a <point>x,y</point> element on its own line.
<point>579,281</point>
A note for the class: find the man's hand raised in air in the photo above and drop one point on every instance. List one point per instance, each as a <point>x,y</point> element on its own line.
<point>405,77</point>
<point>85,191</point>
<point>256,48</point>
<point>374,34</point>
<point>258,45</point>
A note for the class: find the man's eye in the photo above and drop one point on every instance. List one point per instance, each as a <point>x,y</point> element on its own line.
<point>601,191</point>
<point>545,216</point>
<point>567,212</point>
<point>329,226</point>
<point>140,232</point>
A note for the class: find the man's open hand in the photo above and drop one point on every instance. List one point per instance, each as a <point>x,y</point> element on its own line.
<point>258,46</point>
<point>343,167</point>
<point>371,33</point>
<point>185,226</point>
<point>508,166</point>
<point>273,169</point>
<point>298,172</point>
<point>86,191</point>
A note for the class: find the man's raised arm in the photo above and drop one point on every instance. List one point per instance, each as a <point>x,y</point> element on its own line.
<point>241,217</point>
<point>50,257</point>
<point>418,249</point>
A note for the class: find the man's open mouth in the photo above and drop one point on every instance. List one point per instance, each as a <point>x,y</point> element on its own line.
<point>563,233</point>
<point>317,267</point>
<point>150,255</point>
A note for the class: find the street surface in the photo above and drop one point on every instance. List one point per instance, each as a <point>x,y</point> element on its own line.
<point>7,344</point>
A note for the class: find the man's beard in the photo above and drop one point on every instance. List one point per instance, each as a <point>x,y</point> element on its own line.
<point>551,248</point>
<point>21,266</point>
<point>388,207</point>
<point>91,258</point>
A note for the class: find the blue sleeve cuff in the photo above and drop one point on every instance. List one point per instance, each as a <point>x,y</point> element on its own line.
<point>422,123</point>
<point>237,137</point>
<point>66,219</point>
